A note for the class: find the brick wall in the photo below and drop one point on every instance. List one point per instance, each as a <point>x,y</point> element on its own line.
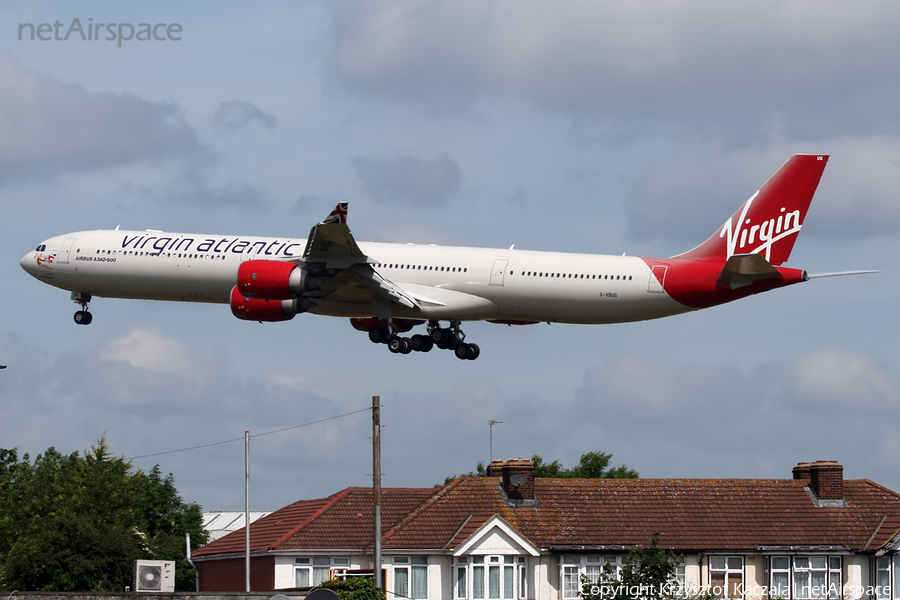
<point>227,575</point>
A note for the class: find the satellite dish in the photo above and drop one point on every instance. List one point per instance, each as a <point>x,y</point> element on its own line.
<point>322,594</point>
<point>518,480</point>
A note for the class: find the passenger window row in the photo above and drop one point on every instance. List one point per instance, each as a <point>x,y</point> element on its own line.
<point>573,276</point>
<point>167,254</point>
<point>422,268</point>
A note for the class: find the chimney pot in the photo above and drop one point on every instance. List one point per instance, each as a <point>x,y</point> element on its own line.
<point>801,472</point>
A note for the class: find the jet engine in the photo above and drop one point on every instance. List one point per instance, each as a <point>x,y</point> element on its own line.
<point>258,309</point>
<point>274,280</point>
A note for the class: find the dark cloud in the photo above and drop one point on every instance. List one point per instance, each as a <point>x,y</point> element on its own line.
<point>744,69</point>
<point>234,115</point>
<point>51,126</point>
<point>408,180</point>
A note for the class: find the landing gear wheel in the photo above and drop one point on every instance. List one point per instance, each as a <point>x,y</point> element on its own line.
<point>82,317</point>
<point>462,351</point>
<point>378,335</point>
<point>473,351</point>
<point>399,345</point>
<point>421,343</point>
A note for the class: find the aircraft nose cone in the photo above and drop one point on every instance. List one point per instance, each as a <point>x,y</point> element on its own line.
<point>27,261</point>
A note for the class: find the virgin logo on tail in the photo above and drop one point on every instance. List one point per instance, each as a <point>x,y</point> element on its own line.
<point>768,223</point>
<point>742,240</point>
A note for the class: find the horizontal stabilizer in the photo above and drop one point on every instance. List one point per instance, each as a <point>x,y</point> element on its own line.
<point>841,273</point>
<point>744,269</point>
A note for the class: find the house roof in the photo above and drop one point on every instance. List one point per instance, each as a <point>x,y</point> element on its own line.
<point>340,521</point>
<point>572,514</point>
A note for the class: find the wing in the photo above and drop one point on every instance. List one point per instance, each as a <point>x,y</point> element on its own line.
<point>346,272</point>
<point>330,242</point>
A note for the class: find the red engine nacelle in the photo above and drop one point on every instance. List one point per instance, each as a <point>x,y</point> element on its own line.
<point>274,280</point>
<point>257,309</point>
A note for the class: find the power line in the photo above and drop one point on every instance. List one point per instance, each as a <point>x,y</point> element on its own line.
<point>240,439</point>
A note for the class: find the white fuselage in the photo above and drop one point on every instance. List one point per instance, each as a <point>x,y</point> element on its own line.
<point>518,285</point>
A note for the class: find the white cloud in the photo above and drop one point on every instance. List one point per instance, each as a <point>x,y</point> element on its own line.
<point>148,349</point>
<point>843,379</point>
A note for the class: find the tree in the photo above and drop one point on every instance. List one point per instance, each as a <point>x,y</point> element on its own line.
<point>78,523</point>
<point>593,465</point>
<point>648,574</point>
<point>355,588</point>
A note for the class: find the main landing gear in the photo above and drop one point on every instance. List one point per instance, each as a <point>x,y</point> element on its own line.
<point>451,338</point>
<point>82,317</point>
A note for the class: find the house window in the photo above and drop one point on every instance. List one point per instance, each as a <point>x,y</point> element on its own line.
<point>805,577</point>
<point>310,572</point>
<point>887,578</point>
<point>490,577</point>
<point>780,577</point>
<point>589,565</point>
<point>411,577</point>
<point>726,574</point>
<point>817,577</point>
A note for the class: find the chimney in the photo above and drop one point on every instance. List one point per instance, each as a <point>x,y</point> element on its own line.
<point>517,479</point>
<point>826,480</point>
<point>801,472</point>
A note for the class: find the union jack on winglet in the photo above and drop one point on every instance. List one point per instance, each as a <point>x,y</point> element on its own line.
<point>338,216</point>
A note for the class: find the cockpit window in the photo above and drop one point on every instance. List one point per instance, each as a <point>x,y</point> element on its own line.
<point>41,248</point>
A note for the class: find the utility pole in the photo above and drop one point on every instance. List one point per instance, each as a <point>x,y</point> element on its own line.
<point>1,368</point>
<point>376,487</point>
<point>247,511</point>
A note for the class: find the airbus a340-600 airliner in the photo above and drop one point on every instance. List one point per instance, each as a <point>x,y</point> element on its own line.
<point>387,289</point>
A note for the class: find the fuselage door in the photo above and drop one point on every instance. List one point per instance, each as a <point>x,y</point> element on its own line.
<point>498,273</point>
<point>657,279</point>
<point>63,257</point>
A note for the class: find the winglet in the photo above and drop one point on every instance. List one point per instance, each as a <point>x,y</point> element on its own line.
<point>337,216</point>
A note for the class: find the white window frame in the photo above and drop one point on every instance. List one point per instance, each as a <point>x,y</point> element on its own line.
<point>317,569</point>
<point>573,566</point>
<point>490,577</point>
<point>887,574</point>
<point>800,573</point>
<point>728,572</point>
<point>415,570</point>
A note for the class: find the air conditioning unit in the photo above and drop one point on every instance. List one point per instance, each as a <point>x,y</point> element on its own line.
<point>154,576</point>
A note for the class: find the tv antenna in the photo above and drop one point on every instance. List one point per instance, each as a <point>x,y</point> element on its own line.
<point>491,423</point>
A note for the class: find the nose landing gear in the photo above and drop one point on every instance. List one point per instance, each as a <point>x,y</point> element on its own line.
<point>82,317</point>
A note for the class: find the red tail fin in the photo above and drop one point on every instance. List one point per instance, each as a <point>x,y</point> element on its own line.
<point>768,223</point>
